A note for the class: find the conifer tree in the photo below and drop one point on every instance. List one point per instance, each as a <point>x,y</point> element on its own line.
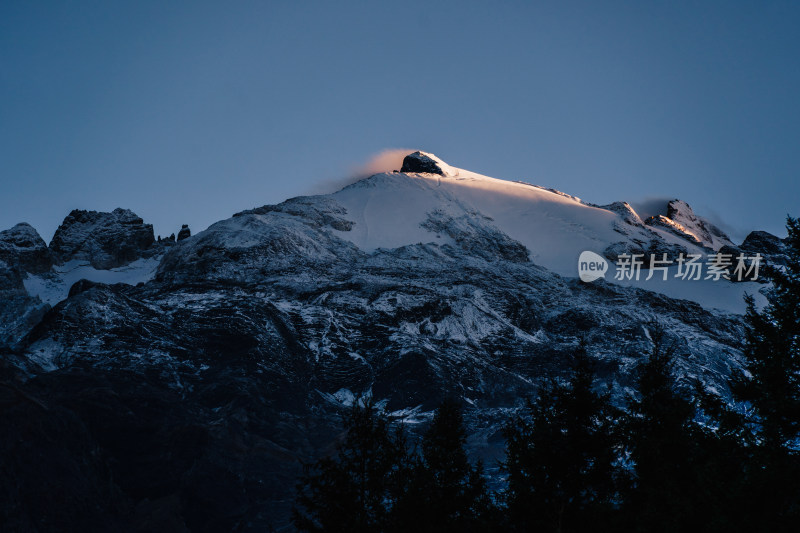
<point>661,440</point>
<point>561,458</point>
<point>772,354</point>
<point>355,490</point>
<point>445,492</point>
<point>771,389</point>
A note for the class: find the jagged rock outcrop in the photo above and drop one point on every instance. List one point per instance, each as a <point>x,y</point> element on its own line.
<point>184,233</point>
<point>105,240</point>
<point>641,239</point>
<point>276,238</point>
<point>681,221</point>
<point>764,242</point>
<point>771,248</point>
<point>703,230</point>
<point>21,246</point>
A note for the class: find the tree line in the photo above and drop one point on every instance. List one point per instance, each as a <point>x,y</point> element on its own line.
<point>668,460</point>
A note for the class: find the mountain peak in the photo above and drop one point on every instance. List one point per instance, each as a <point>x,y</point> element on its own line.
<point>23,247</point>
<point>106,240</point>
<point>705,232</point>
<point>426,163</point>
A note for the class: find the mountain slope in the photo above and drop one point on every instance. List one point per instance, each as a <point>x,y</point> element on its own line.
<point>205,381</point>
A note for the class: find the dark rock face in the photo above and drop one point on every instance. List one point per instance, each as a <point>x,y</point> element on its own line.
<point>21,246</point>
<point>106,240</point>
<point>184,233</point>
<point>764,242</point>
<point>18,311</point>
<point>771,248</point>
<point>205,433</point>
<point>10,277</point>
<point>732,254</point>
<point>123,450</point>
<point>421,162</point>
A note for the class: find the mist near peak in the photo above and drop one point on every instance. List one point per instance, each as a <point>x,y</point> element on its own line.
<point>654,206</point>
<point>651,206</point>
<point>384,161</point>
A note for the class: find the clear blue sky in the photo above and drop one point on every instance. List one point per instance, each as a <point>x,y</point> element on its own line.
<point>186,112</point>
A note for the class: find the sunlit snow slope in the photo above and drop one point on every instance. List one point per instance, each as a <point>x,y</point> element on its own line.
<point>390,210</point>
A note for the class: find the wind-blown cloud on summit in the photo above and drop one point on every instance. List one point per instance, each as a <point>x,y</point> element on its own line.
<point>650,207</point>
<point>384,161</point>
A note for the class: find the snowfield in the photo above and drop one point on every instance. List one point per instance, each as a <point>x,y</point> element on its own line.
<point>54,286</point>
<point>390,211</point>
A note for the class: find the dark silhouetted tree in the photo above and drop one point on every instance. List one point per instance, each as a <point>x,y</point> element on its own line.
<point>445,492</point>
<point>661,433</point>
<point>355,490</point>
<point>771,389</point>
<point>772,354</point>
<point>561,458</point>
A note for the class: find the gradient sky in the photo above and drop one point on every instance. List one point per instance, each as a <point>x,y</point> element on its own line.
<point>187,112</point>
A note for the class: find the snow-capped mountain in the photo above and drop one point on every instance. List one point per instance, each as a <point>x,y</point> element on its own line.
<point>213,364</point>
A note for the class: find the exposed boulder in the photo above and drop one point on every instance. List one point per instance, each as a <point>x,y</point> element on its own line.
<point>106,240</point>
<point>21,246</point>
<point>423,162</point>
